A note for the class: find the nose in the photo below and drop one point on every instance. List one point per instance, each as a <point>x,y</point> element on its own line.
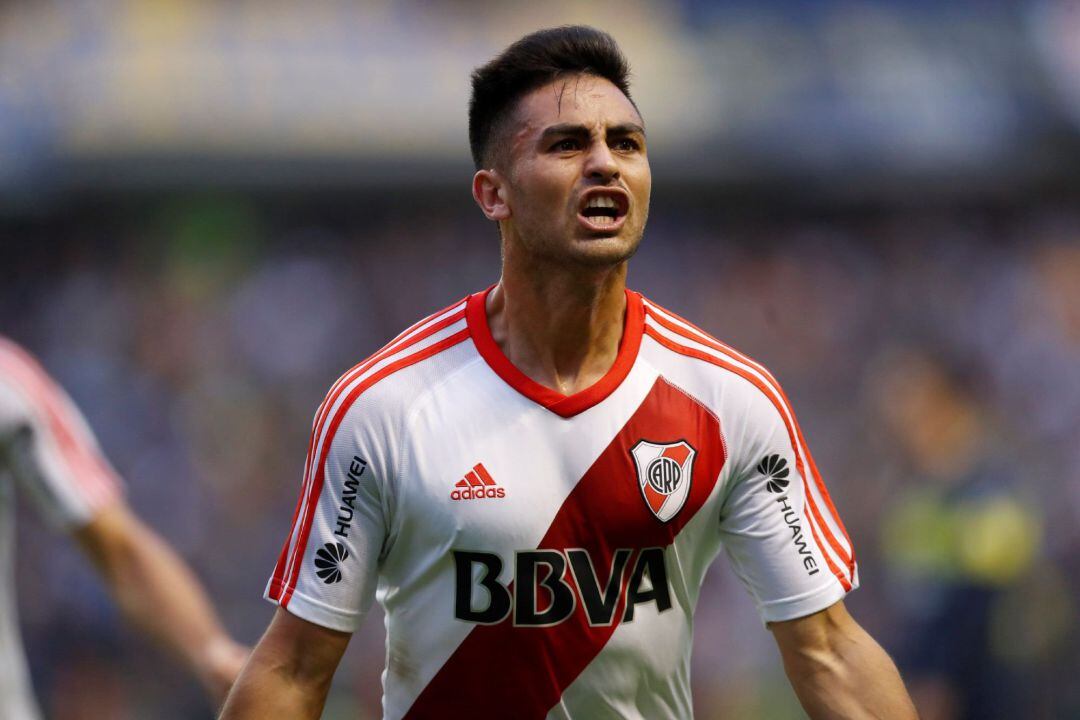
<point>600,164</point>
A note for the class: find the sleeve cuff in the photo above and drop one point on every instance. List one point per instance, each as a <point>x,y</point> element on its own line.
<point>802,605</point>
<point>315,611</point>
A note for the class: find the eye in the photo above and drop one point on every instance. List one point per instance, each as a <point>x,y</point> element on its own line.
<point>566,145</point>
<point>626,145</point>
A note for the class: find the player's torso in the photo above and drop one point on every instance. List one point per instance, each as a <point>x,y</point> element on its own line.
<point>542,564</point>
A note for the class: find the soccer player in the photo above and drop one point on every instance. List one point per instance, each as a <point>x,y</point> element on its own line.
<point>48,448</point>
<point>534,481</point>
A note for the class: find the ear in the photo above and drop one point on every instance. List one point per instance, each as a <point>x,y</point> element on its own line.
<point>489,191</point>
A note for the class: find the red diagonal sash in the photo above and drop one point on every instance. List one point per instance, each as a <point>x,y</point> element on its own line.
<point>503,671</point>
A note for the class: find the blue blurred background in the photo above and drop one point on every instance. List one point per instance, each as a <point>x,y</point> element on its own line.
<point>210,209</point>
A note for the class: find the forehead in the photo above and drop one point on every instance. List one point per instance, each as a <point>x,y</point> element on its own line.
<point>584,99</point>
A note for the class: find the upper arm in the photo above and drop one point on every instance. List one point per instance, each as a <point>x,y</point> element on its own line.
<point>837,670</point>
<point>48,445</point>
<point>779,527</point>
<point>814,635</point>
<point>289,672</point>
<point>301,652</point>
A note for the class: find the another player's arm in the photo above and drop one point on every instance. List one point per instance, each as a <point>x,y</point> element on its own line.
<point>289,672</point>
<point>158,593</point>
<point>52,452</point>
<point>838,671</point>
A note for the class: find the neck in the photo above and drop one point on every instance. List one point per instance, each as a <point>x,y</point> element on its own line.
<point>559,326</point>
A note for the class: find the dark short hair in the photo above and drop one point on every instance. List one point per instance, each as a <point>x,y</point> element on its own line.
<point>531,62</point>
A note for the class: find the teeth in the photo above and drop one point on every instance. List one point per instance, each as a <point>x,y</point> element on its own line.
<point>601,201</point>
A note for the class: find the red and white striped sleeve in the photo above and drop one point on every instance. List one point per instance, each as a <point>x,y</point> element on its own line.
<point>47,445</point>
<point>327,570</point>
<point>779,525</point>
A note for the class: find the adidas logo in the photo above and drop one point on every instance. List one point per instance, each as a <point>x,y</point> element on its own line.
<point>775,470</point>
<point>477,485</point>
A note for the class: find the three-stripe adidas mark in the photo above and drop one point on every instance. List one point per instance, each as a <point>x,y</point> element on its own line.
<point>477,485</point>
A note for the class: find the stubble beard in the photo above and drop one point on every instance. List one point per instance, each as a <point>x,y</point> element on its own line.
<point>573,252</point>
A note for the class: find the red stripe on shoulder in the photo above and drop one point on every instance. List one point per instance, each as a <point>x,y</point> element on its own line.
<point>362,367</point>
<point>399,344</point>
<point>429,318</point>
<point>318,476</point>
<point>710,341</point>
<point>402,341</point>
<point>761,386</point>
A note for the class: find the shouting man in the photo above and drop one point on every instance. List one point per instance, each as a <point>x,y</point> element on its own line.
<point>534,481</point>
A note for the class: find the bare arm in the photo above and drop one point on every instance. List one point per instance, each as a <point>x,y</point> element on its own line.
<point>838,670</point>
<point>158,593</point>
<point>289,673</point>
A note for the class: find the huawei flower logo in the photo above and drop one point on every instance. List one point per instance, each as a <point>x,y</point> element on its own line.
<point>328,560</point>
<point>775,469</point>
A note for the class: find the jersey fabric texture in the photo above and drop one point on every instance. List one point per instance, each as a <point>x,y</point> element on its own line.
<point>540,555</point>
<point>47,448</point>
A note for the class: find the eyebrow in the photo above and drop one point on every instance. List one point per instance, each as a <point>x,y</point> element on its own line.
<point>577,130</point>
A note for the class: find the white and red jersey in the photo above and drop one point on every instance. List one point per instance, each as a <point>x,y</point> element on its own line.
<point>47,448</point>
<point>540,555</point>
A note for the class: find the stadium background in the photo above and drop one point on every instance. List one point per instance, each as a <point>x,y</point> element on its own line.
<point>209,210</point>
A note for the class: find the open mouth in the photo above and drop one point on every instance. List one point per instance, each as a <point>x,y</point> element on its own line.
<point>604,209</point>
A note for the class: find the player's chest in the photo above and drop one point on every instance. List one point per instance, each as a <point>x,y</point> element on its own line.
<point>632,476</point>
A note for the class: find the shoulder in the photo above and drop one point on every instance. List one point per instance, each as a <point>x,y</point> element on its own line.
<point>678,346</point>
<point>25,386</point>
<point>382,386</point>
<point>741,390</point>
<point>18,366</point>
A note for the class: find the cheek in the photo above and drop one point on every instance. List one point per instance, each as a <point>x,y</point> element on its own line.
<point>641,188</point>
<point>646,187</point>
<point>544,191</point>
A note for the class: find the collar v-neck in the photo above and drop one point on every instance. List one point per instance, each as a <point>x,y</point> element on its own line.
<point>564,405</point>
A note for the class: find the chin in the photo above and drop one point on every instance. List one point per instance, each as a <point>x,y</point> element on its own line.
<point>603,251</point>
<point>572,247</point>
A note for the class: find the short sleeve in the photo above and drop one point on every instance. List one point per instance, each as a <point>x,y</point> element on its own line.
<point>48,446</point>
<point>327,571</point>
<point>778,524</point>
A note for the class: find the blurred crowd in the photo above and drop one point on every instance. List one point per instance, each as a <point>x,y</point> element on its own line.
<point>121,94</point>
<point>933,358</point>
<point>210,209</point>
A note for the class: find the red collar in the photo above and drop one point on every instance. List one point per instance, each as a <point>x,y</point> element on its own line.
<point>564,405</point>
